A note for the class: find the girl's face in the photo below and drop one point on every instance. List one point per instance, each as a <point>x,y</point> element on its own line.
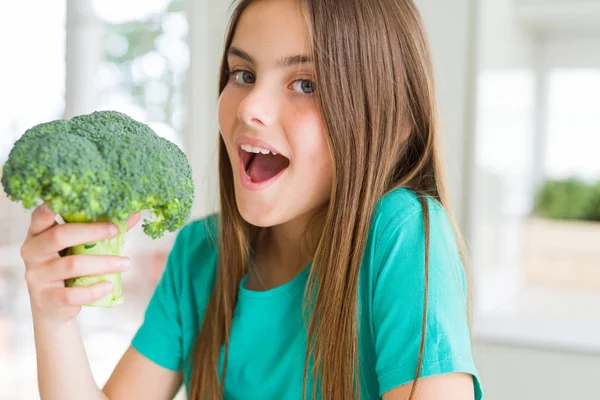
<point>269,104</point>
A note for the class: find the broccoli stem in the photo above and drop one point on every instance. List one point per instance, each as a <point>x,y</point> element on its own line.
<point>111,246</point>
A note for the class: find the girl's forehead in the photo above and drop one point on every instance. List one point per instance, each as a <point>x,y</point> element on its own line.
<point>271,29</point>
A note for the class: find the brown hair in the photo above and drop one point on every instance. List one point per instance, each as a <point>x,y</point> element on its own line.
<point>376,96</point>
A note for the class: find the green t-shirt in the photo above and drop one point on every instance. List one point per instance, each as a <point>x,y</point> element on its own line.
<point>268,338</point>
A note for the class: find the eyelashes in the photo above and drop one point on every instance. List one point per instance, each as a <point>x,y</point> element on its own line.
<point>301,87</point>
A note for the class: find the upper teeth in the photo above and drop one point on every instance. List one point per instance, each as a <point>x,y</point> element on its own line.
<point>253,149</point>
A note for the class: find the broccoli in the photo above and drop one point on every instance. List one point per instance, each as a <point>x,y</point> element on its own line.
<point>103,166</point>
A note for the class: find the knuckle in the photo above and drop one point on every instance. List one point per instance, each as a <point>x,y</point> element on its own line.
<point>109,230</point>
<point>57,235</point>
<point>24,251</point>
<point>69,297</point>
<point>71,264</point>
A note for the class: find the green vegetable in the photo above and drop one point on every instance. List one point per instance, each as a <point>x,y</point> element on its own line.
<point>102,166</point>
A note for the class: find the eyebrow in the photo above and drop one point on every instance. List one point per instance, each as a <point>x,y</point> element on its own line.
<point>282,63</point>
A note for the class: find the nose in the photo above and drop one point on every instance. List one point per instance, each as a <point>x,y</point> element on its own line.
<point>258,108</point>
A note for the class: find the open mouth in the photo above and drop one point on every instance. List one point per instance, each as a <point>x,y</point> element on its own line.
<point>262,166</point>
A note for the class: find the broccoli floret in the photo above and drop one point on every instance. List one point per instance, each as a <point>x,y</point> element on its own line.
<point>103,166</point>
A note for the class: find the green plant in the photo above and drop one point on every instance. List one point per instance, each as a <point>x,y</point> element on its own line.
<point>595,202</point>
<point>102,166</point>
<point>570,199</point>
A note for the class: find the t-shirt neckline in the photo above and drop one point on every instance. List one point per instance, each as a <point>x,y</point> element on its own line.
<point>292,284</point>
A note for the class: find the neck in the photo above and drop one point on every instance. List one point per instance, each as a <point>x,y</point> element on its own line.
<point>282,251</point>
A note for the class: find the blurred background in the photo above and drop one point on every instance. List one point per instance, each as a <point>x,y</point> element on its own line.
<point>519,91</point>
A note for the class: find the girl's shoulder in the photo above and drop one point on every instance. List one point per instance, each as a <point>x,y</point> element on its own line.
<point>398,235</point>
<point>402,202</point>
<point>401,206</point>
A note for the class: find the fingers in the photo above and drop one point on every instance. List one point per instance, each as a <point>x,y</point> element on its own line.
<point>46,237</point>
<point>45,273</point>
<point>77,296</point>
<point>133,220</point>
<point>75,266</point>
<point>42,219</point>
<point>59,237</point>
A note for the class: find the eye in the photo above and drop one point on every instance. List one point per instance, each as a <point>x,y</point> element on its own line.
<point>304,86</point>
<point>243,77</point>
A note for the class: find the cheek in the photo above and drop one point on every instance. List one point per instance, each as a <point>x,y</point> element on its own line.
<point>310,146</point>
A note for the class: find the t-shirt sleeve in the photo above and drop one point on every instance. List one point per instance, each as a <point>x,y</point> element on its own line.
<point>398,303</point>
<point>160,336</point>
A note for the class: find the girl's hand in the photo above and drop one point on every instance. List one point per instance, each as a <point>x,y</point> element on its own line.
<point>46,270</point>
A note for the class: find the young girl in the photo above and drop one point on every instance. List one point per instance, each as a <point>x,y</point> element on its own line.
<point>332,269</point>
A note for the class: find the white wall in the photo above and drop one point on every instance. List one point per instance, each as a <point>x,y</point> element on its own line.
<point>515,373</point>
<point>450,27</point>
<point>504,44</point>
<point>207,21</point>
<point>572,51</point>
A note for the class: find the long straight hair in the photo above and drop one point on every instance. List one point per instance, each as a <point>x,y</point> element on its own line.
<point>375,93</point>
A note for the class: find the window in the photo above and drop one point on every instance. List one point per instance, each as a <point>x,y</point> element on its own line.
<point>537,272</point>
<point>32,77</point>
<point>502,179</point>
<point>573,120</point>
<point>33,67</point>
<point>146,58</point>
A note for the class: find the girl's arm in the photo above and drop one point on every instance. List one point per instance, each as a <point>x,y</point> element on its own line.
<point>62,366</point>
<point>64,372</point>
<point>136,377</point>
<point>453,386</point>
<point>402,288</point>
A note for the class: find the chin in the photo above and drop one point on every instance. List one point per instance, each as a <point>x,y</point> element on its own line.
<point>259,220</point>
<point>254,212</point>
